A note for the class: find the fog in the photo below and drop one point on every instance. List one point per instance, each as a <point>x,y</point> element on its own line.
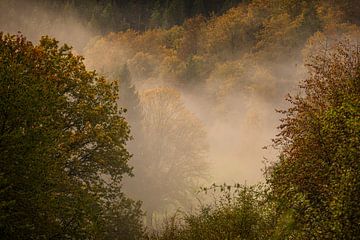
<point>34,20</point>
<point>239,129</point>
<point>240,138</point>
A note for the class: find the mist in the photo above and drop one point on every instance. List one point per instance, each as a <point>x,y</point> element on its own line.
<point>230,92</point>
<point>35,19</point>
<point>179,119</point>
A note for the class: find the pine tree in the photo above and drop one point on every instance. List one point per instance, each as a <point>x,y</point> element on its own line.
<point>128,97</point>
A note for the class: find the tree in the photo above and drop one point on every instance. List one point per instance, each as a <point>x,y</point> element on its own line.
<point>62,148</point>
<point>190,41</point>
<point>128,97</point>
<point>174,13</point>
<point>155,20</point>
<point>198,8</point>
<point>233,33</point>
<point>317,180</point>
<point>171,160</point>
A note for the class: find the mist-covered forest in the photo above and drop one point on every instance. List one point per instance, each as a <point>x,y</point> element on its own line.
<point>179,119</point>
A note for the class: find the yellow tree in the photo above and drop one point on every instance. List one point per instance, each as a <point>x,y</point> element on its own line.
<point>232,33</point>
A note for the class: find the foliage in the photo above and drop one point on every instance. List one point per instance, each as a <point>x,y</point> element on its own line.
<point>62,148</point>
<point>314,187</point>
<point>129,98</point>
<point>266,33</point>
<point>250,54</point>
<point>108,16</point>
<point>62,141</point>
<point>237,212</point>
<point>317,177</point>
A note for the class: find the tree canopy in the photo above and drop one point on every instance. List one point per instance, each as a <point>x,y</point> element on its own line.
<point>316,181</point>
<point>62,147</point>
<point>65,146</point>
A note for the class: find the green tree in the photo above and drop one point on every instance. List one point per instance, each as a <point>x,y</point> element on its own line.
<point>174,13</point>
<point>198,8</point>
<point>62,148</point>
<point>128,96</point>
<point>317,180</point>
<point>156,16</point>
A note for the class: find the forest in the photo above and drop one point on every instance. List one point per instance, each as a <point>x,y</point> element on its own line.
<point>179,119</point>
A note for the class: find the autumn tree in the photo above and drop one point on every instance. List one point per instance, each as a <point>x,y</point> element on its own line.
<point>190,41</point>
<point>173,148</point>
<point>62,148</point>
<point>316,180</point>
